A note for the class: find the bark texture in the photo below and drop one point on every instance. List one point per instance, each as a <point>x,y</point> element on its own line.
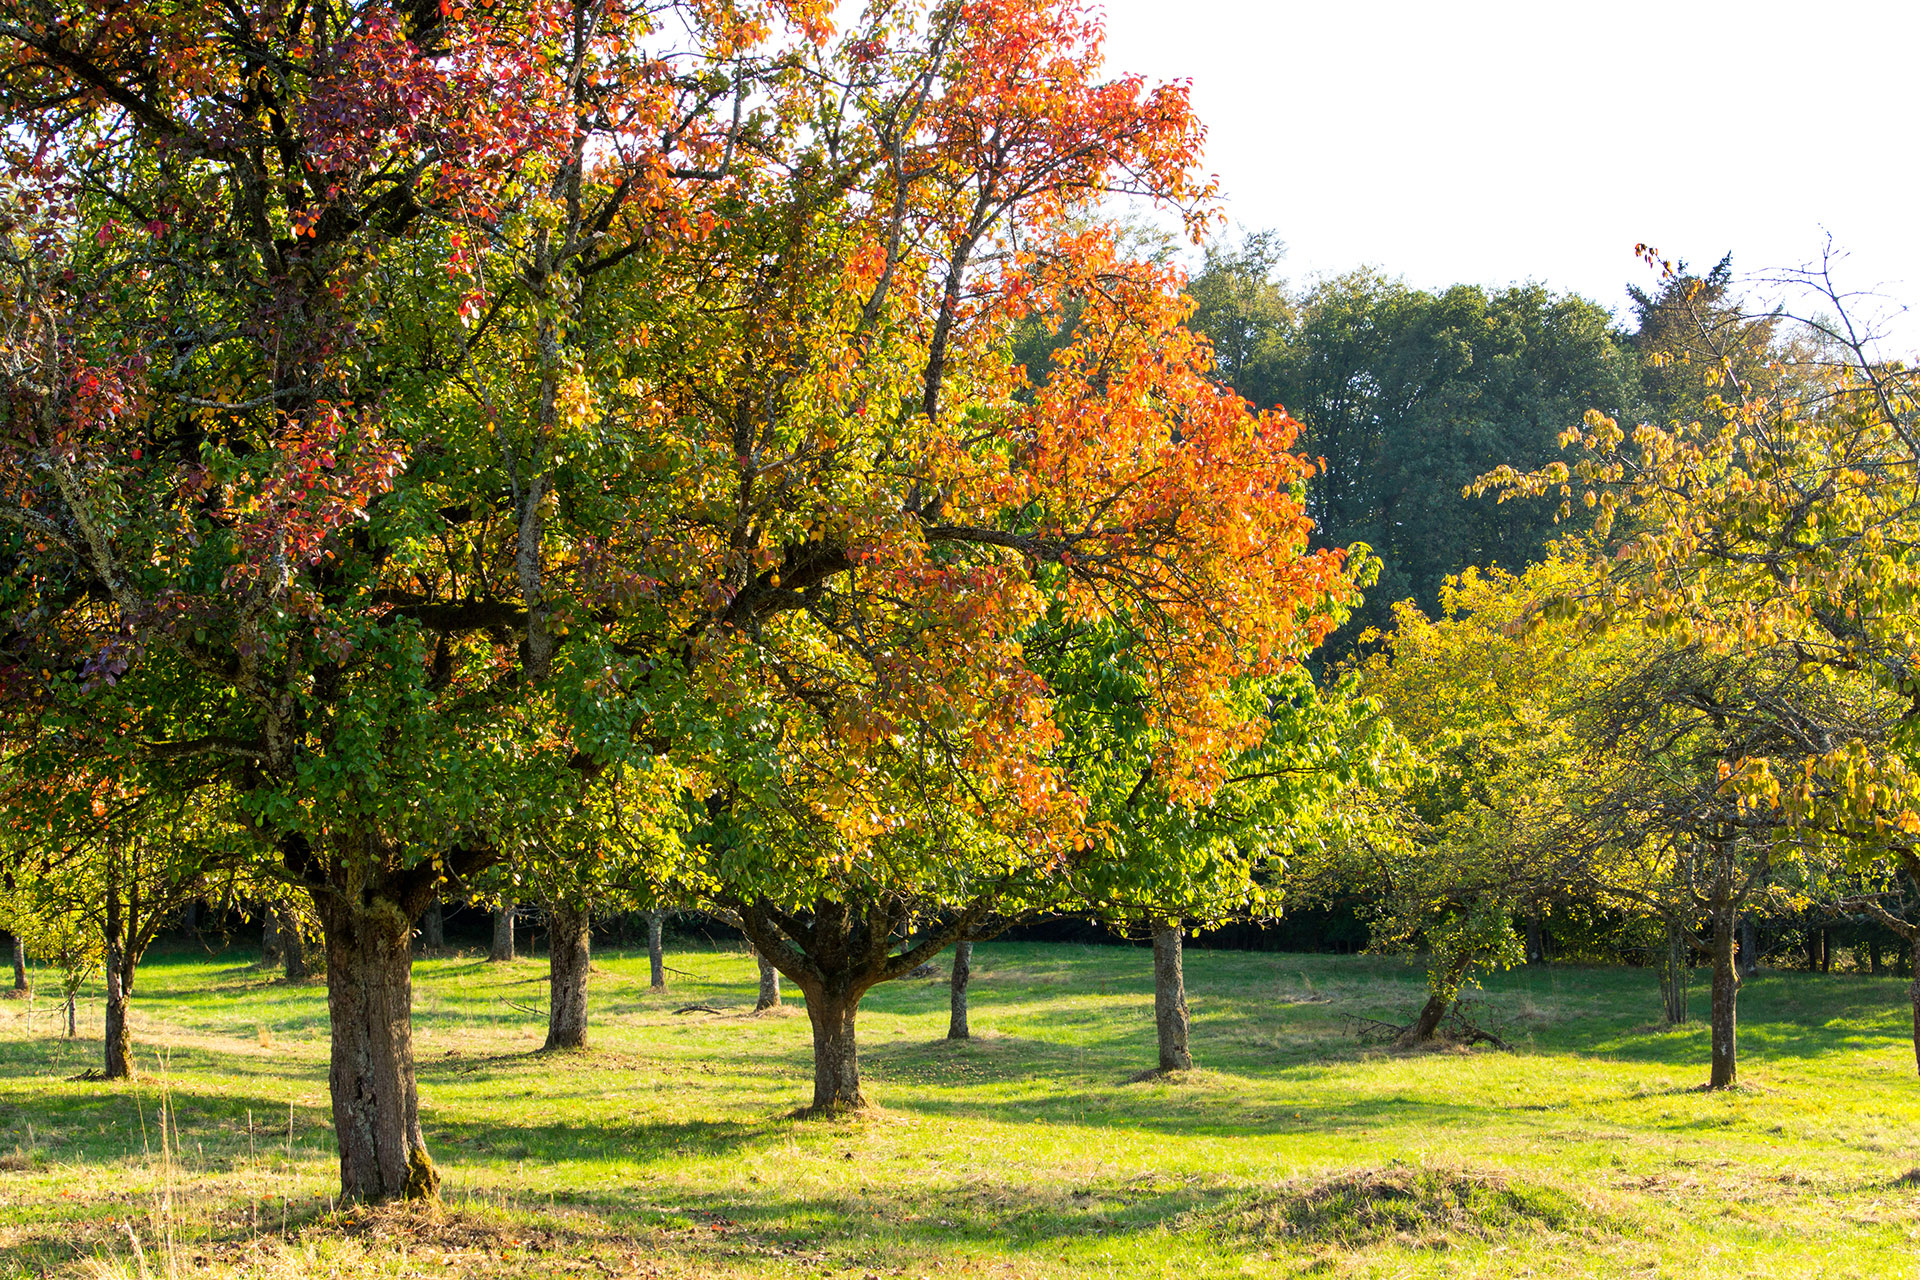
<point>1726,990</point>
<point>502,948</point>
<point>569,959</point>
<point>376,1105</point>
<point>656,950</point>
<point>1170,996</point>
<point>769,984</point>
<point>19,963</point>
<point>836,1052</point>
<point>957,992</point>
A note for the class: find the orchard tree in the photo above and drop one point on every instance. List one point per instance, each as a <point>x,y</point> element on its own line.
<point>1484,701</point>
<point>1770,543</point>
<point>264,524</point>
<point>857,513</point>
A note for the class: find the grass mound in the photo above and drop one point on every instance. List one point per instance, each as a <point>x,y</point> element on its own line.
<point>1406,1203</point>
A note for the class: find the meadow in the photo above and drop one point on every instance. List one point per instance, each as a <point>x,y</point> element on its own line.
<point>669,1149</point>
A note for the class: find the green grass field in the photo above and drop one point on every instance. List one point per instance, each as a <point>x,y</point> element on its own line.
<point>667,1150</point>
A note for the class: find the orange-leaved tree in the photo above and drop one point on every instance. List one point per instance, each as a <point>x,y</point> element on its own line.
<point>850,520</point>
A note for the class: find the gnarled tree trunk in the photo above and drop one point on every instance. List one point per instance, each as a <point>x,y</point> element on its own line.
<point>376,1104</point>
<point>957,991</point>
<point>502,948</point>
<point>836,1052</point>
<point>1170,996</point>
<point>569,958</point>
<point>1726,988</point>
<point>656,953</point>
<point>769,984</point>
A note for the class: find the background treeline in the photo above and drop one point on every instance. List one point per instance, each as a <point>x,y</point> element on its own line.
<point>1407,396</point>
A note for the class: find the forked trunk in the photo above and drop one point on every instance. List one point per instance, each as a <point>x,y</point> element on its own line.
<point>1170,996</point>
<point>119,1046</point>
<point>836,1053</point>
<point>769,985</point>
<point>502,948</point>
<point>1726,988</point>
<point>1675,974</point>
<point>433,928</point>
<point>568,960</point>
<point>656,953</point>
<point>376,1105</point>
<point>19,964</point>
<point>957,991</point>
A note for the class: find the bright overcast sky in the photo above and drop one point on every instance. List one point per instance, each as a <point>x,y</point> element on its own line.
<point>1491,142</point>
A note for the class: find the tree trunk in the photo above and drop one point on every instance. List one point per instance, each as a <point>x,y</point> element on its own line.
<point>1826,951</point>
<point>270,949</point>
<point>769,985</point>
<point>293,945</point>
<point>120,967</point>
<point>1170,997</point>
<point>569,958</point>
<point>19,964</point>
<point>1913,994</point>
<point>119,1046</point>
<point>1726,988</point>
<point>73,1022</point>
<point>1749,947</point>
<point>502,933</point>
<point>957,991</point>
<point>656,956</point>
<point>836,1053</point>
<point>433,928</point>
<point>1675,975</point>
<point>376,1105</point>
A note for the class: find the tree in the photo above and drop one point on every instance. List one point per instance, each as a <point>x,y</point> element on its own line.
<point>1485,701</point>
<point>872,510</point>
<point>1769,544</point>
<point>266,530</point>
<point>1408,396</point>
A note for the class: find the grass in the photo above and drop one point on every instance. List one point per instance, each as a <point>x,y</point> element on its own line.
<point>667,1149</point>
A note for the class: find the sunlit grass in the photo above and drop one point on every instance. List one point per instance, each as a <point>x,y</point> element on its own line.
<point>667,1149</point>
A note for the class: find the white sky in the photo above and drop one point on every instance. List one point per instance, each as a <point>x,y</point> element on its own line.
<point>1488,141</point>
